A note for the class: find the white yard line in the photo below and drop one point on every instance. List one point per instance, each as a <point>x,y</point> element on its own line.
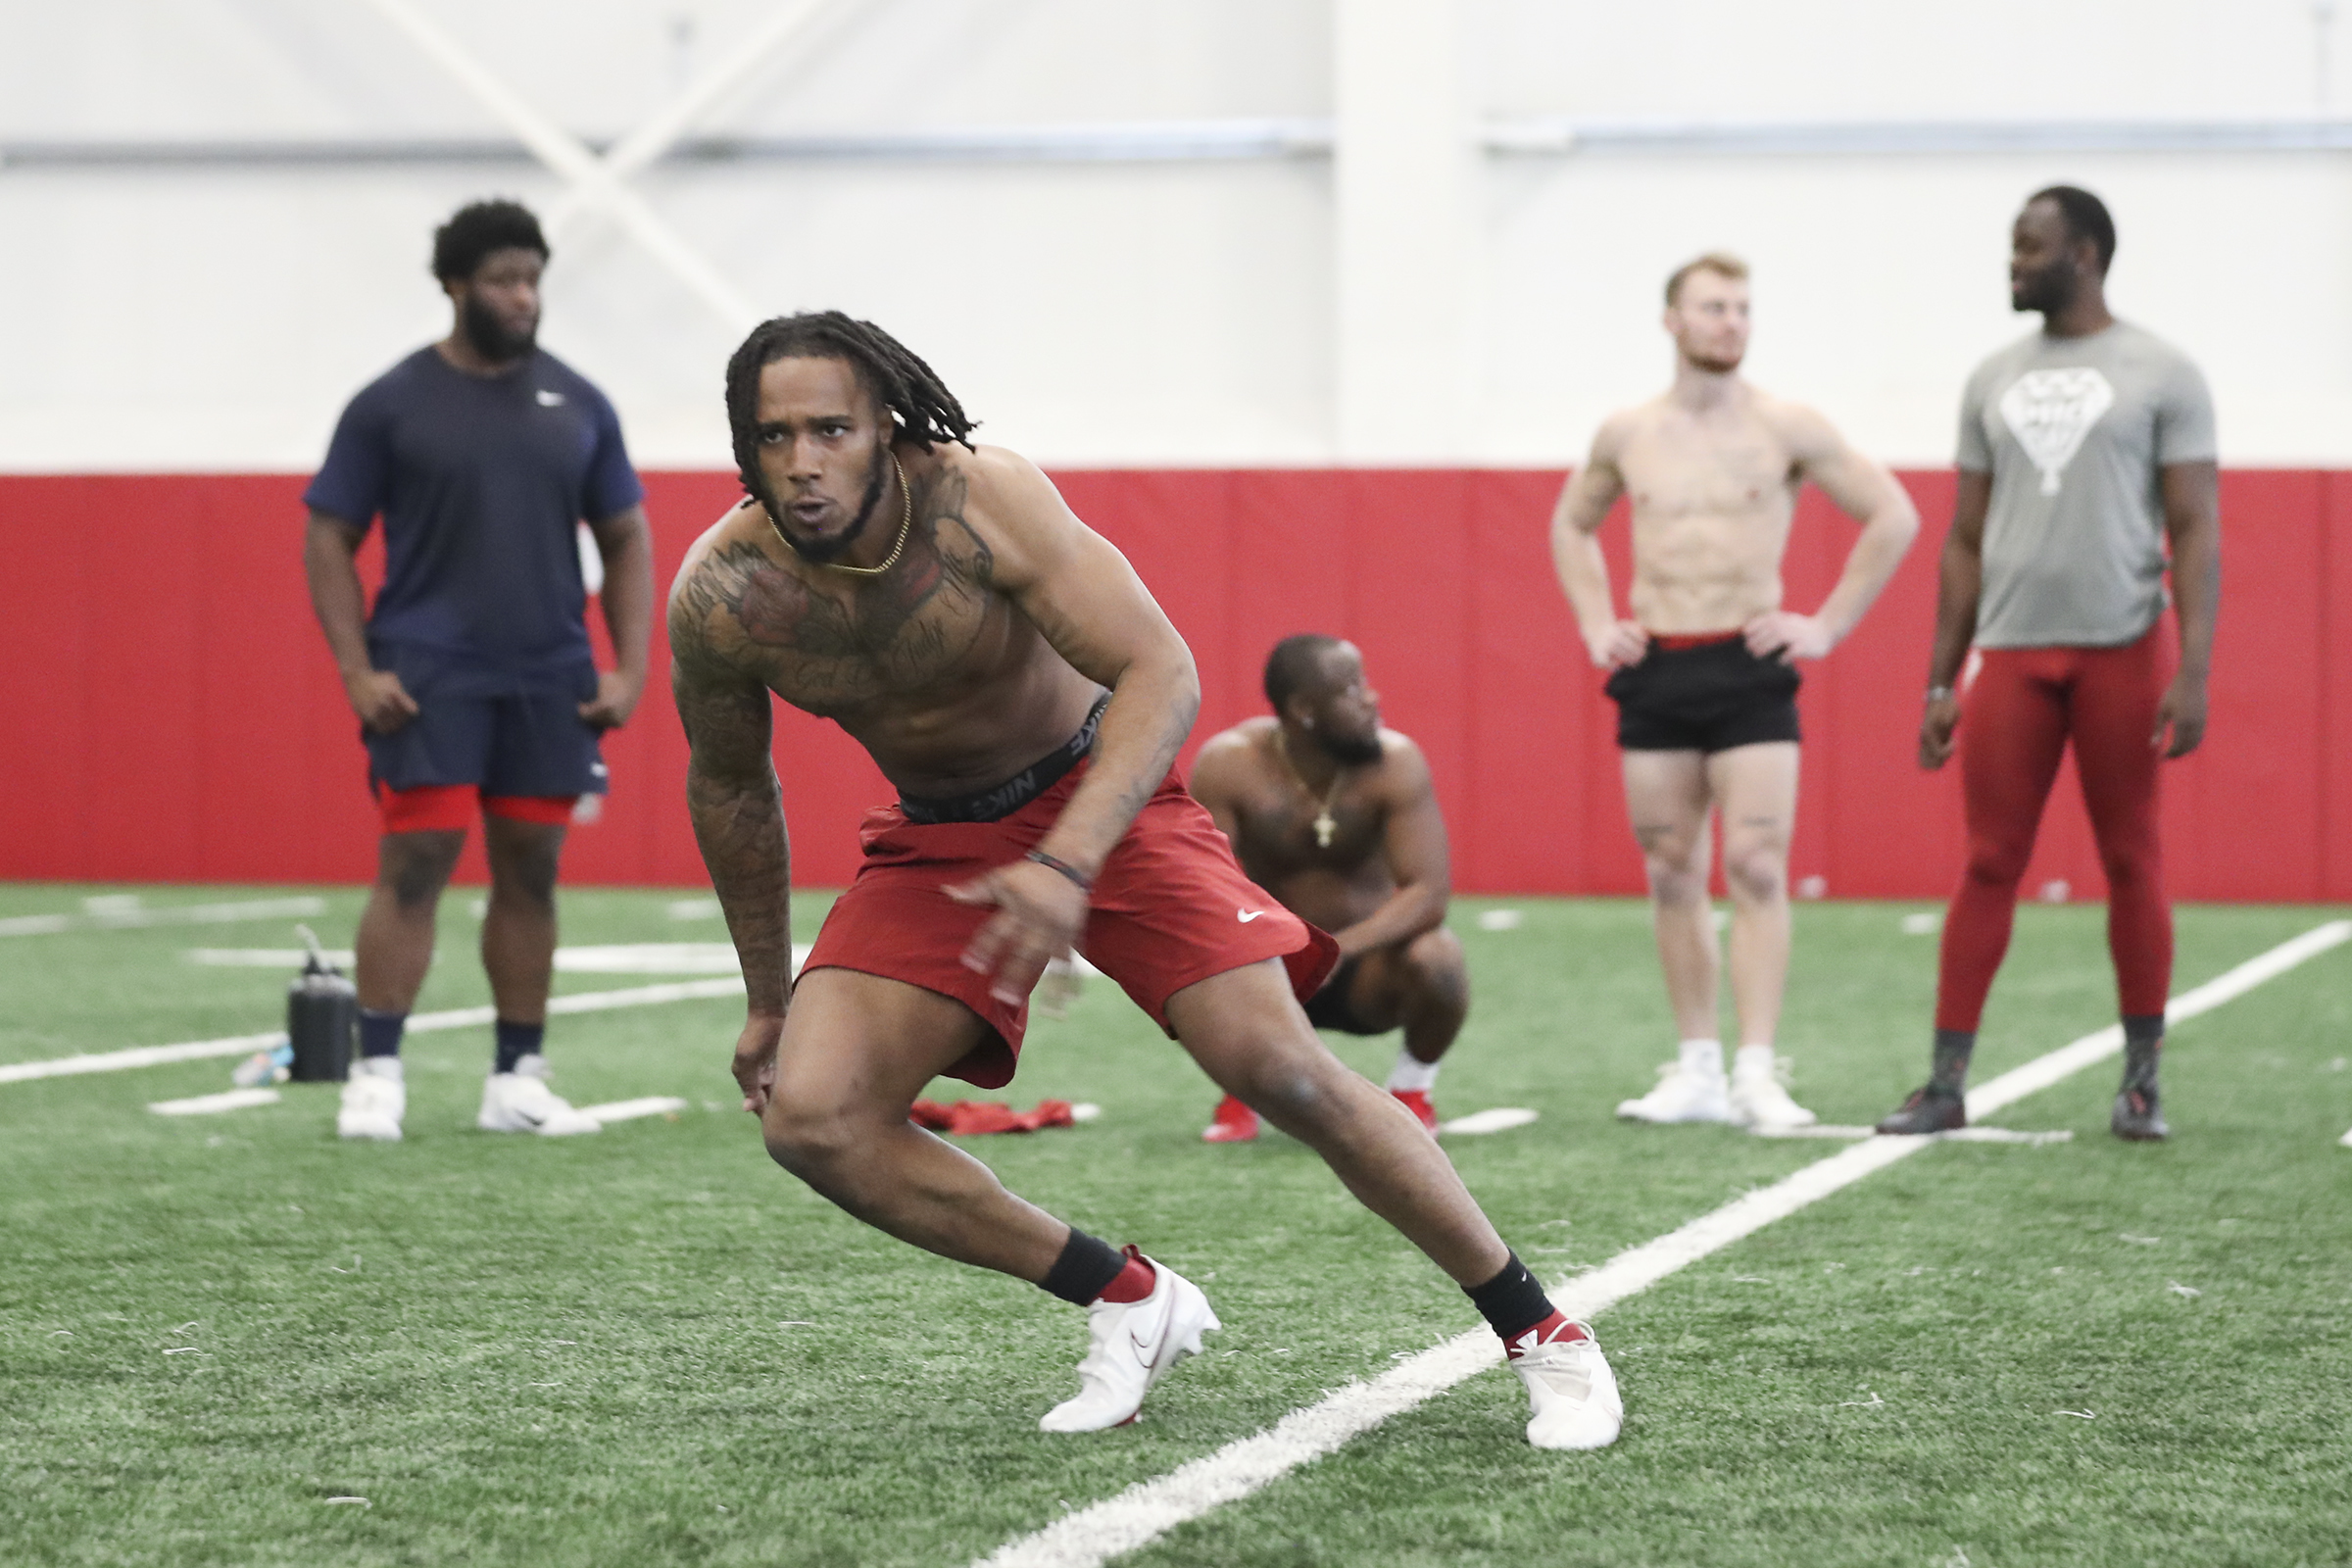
<point>1501,1119</point>
<point>633,957</point>
<point>141,1057</point>
<point>630,1109</point>
<point>127,917</point>
<point>214,1104</point>
<point>419,1024</point>
<point>1144,1513</point>
<point>1964,1134</point>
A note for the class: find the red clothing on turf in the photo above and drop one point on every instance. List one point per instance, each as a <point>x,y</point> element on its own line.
<point>970,1118</point>
<point>2025,706</point>
<point>1170,907</point>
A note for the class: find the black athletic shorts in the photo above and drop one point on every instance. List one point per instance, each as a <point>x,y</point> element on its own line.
<point>1329,1008</point>
<point>1704,697</point>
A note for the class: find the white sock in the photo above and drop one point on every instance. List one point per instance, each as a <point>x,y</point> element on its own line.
<point>1703,1056</point>
<point>1752,1061</point>
<point>1411,1072</point>
<point>381,1067</point>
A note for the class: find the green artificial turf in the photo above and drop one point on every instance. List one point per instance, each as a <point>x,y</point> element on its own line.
<point>651,1347</point>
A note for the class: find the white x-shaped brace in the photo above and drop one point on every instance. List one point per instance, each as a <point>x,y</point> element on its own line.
<point>597,183</point>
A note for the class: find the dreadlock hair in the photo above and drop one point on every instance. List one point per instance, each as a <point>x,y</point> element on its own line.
<point>476,229</point>
<point>2086,216</point>
<point>907,387</point>
<point>1292,664</point>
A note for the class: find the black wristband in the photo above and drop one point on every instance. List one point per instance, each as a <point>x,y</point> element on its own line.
<point>1086,884</point>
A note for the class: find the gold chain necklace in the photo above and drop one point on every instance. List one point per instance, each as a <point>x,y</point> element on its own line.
<point>1325,825</point>
<point>905,526</point>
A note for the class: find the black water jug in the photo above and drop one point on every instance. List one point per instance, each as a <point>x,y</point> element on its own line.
<point>322,1019</point>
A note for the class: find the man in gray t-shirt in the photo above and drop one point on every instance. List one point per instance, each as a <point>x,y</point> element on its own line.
<point>2076,433</point>
<point>2084,451</point>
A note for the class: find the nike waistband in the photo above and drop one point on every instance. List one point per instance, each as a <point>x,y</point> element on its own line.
<point>1002,800</point>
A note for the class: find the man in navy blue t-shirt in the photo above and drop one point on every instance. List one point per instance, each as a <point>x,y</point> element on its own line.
<point>473,677</point>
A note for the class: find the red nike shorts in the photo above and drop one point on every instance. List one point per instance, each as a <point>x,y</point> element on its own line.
<point>1170,907</point>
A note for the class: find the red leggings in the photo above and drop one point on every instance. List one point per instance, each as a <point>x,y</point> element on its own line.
<point>2023,707</point>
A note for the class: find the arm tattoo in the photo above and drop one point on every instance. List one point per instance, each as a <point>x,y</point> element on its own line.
<point>735,803</point>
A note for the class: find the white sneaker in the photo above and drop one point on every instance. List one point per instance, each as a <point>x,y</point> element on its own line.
<point>1135,1345</point>
<point>1682,1094</point>
<point>1573,1392</point>
<point>519,1101</point>
<point>374,1097</point>
<point>1759,1101</point>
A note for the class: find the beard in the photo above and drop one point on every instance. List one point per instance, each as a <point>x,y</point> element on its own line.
<point>1351,751</point>
<point>1716,363</point>
<point>825,552</point>
<point>2049,291</point>
<point>491,337</point>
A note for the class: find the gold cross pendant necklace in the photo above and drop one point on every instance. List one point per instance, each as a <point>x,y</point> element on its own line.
<point>1325,823</point>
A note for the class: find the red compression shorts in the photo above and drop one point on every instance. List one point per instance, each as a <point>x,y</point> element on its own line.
<point>2025,706</point>
<point>449,808</point>
<point>1170,907</point>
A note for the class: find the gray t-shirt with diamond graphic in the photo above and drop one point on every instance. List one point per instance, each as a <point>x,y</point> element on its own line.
<point>2074,432</point>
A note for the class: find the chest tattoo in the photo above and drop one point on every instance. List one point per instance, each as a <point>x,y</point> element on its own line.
<point>829,650</point>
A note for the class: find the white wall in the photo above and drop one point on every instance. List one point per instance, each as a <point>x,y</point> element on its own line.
<point>1164,313</point>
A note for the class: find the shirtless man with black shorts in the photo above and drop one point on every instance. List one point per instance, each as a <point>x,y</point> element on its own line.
<point>1336,817</point>
<point>1704,675</point>
<point>1013,679</point>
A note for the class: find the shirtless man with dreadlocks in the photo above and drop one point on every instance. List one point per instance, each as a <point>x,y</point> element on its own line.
<point>1016,683</point>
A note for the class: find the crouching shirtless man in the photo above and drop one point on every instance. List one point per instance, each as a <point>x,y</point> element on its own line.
<point>1010,675</point>
<point>1339,819</point>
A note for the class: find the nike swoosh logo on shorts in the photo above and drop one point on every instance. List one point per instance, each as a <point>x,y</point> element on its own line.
<point>1247,916</point>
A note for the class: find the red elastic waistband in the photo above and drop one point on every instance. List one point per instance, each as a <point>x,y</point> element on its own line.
<point>1704,639</point>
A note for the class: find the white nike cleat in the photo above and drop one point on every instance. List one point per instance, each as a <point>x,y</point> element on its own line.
<point>1760,1102</point>
<point>519,1101</point>
<point>1573,1392</point>
<point>1135,1345</point>
<point>1682,1094</point>
<point>374,1099</point>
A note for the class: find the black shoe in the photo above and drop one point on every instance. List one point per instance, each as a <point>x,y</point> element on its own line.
<point>1928,1111</point>
<point>2138,1117</point>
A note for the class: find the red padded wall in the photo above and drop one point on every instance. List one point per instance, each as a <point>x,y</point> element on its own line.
<point>171,713</point>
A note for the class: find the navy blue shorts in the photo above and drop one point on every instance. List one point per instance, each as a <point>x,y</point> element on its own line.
<point>509,738</point>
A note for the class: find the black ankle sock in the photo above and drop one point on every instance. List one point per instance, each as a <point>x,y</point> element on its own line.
<point>2143,1042</point>
<point>1953,1048</point>
<point>1511,1302</point>
<point>1087,1265</point>
<point>380,1032</point>
<point>516,1041</point>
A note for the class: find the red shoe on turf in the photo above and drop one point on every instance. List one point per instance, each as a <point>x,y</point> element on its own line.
<point>1416,1100</point>
<point>1234,1123</point>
